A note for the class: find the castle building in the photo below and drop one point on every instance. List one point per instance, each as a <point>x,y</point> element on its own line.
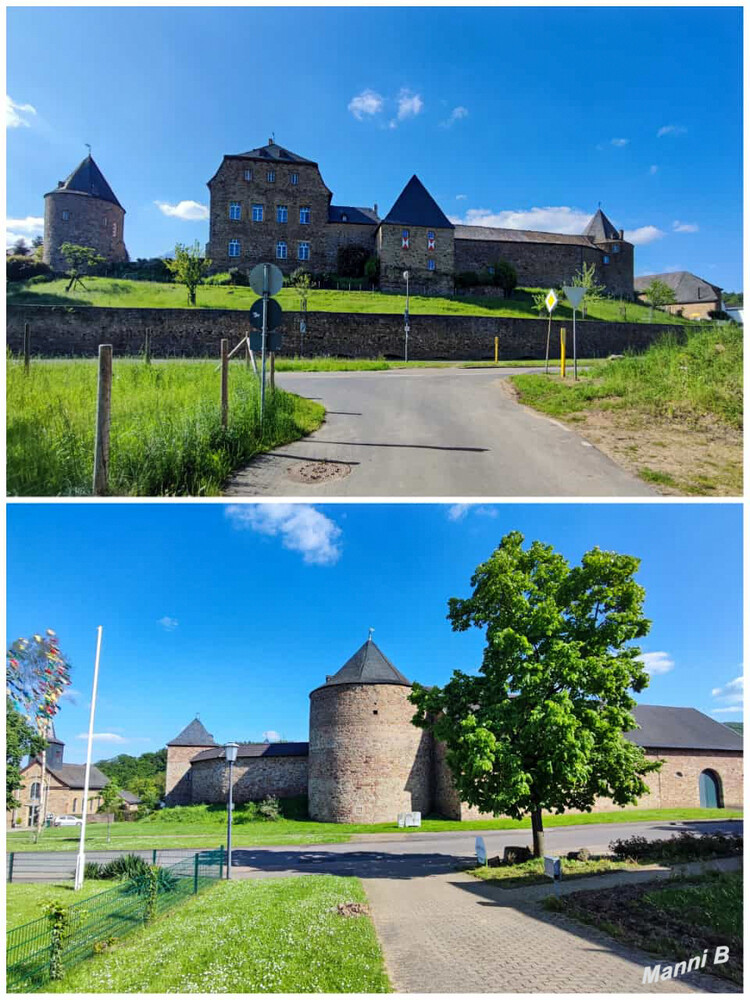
<point>366,762</point>
<point>83,209</point>
<point>694,297</point>
<point>270,204</point>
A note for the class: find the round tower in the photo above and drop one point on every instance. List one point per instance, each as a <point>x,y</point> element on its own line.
<point>367,762</point>
<point>84,210</point>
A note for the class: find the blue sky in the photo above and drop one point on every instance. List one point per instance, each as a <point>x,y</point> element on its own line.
<point>239,612</point>
<point>511,116</point>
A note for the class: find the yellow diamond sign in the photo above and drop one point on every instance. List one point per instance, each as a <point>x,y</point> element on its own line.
<point>551,300</point>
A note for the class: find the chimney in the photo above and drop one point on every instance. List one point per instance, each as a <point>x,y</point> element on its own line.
<point>375,208</point>
<point>270,141</point>
<point>622,234</point>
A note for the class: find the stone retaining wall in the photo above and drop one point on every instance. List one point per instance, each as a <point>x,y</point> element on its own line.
<point>59,331</point>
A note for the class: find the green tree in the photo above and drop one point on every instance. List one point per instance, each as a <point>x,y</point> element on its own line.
<point>188,268</point>
<point>538,298</point>
<point>658,294</point>
<point>21,740</point>
<point>301,282</point>
<point>149,791</point>
<point>80,260</point>
<point>20,247</point>
<point>505,277</point>
<point>586,278</point>
<point>110,796</point>
<point>541,726</point>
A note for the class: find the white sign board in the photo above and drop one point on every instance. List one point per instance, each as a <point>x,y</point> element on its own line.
<point>550,300</point>
<point>413,819</point>
<point>275,279</point>
<point>402,819</point>
<point>574,294</point>
<point>552,867</point>
<point>481,851</point>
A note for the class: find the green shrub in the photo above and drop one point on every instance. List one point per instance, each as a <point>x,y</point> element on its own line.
<point>21,268</point>
<point>351,261</point>
<point>505,276</point>
<point>372,269</point>
<point>92,870</point>
<point>270,808</point>
<point>682,847</point>
<point>239,277</point>
<point>128,866</point>
<point>467,279</point>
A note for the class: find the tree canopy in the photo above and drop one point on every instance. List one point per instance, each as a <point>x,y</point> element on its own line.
<point>130,772</point>
<point>188,267</point>
<point>541,725</point>
<point>21,740</point>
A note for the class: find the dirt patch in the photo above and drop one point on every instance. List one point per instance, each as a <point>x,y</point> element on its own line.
<point>353,909</point>
<point>315,473</point>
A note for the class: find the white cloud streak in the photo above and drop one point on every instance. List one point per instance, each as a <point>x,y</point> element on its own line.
<point>684,227</point>
<point>188,211</point>
<point>368,102</point>
<point>671,130</point>
<point>30,226</point>
<point>731,696</point>
<point>620,142</point>
<point>301,527</point>
<point>167,623</point>
<point>16,114</point>
<point>643,235</point>
<point>271,736</point>
<point>114,738</point>
<point>455,116</point>
<point>549,219</point>
<point>657,663</point>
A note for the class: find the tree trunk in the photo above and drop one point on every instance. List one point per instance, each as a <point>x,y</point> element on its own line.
<point>537,830</point>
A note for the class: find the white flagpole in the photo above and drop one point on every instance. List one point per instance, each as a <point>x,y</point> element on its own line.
<point>81,859</point>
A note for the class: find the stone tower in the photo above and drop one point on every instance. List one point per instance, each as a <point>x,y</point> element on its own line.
<point>617,259</point>
<point>180,751</point>
<point>83,209</point>
<point>55,749</point>
<point>367,762</point>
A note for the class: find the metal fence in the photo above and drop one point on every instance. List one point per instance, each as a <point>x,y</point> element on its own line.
<point>101,919</point>
<point>60,866</point>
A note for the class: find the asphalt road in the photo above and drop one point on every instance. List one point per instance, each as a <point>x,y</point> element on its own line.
<point>431,432</point>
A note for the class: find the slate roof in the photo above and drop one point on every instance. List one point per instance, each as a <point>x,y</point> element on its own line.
<point>129,797</point>
<point>259,750</point>
<point>662,727</point>
<point>687,287</point>
<point>87,179</point>
<point>369,665</point>
<point>272,152</point>
<point>194,734</point>
<point>518,235</point>
<point>73,775</point>
<point>362,216</point>
<point>415,206</point>
<point>600,228</point>
<point>52,737</point>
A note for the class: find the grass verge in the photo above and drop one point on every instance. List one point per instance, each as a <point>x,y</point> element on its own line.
<point>166,433</point>
<point>674,921</point>
<point>24,901</point>
<point>532,872</point>
<point>253,936</point>
<point>672,414</point>
<point>204,826</point>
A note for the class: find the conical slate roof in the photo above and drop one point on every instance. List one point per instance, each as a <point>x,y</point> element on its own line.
<point>88,179</point>
<point>194,734</point>
<point>368,666</point>
<point>415,206</point>
<point>600,228</point>
<point>52,735</point>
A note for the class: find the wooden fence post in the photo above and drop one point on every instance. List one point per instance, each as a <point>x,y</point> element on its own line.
<point>103,413</point>
<point>147,350</point>
<point>224,382</point>
<point>26,347</point>
<point>273,370</point>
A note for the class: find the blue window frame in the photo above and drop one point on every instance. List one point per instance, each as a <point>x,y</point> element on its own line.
<point>271,176</point>
<point>281,250</point>
<point>304,215</point>
<point>303,251</point>
<point>257,213</point>
<point>281,213</point>
<point>615,248</point>
<point>235,210</point>
<point>248,174</point>
<point>605,259</point>
<point>431,264</point>
<point>294,178</point>
<point>234,248</point>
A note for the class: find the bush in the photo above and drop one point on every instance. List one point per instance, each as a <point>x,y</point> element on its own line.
<point>222,278</point>
<point>682,847</point>
<point>372,269</point>
<point>126,867</point>
<point>352,260</point>
<point>516,855</point>
<point>718,314</point>
<point>505,277</point>
<point>270,808</point>
<point>92,870</point>
<point>467,279</point>
<point>41,279</point>
<point>21,268</point>
<point>239,277</point>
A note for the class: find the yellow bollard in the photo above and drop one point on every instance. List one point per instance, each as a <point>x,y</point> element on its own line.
<point>496,342</point>
<point>562,352</point>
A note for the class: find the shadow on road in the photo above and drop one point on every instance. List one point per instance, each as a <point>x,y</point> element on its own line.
<point>364,864</point>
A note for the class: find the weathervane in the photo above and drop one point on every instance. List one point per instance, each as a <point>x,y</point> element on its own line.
<point>369,637</point>
<point>88,146</point>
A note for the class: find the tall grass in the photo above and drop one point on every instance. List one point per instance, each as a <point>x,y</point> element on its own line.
<point>166,434</point>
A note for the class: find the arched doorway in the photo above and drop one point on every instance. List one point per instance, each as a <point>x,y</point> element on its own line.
<point>709,785</point>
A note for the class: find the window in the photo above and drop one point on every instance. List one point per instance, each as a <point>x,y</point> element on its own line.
<point>257,213</point>
<point>344,217</point>
<point>303,251</point>
<point>431,264</point>
<point>75,804</point>
<point>33,815</point>
<point>615,248</point>
<point>281,213</point>
<point>304,215</point>
<point>491,269</point>
<point>36,791</point>
<point>235,210</point>
<point>234,248</point>
<point>271,176</point>
<point>65,215</point>
<point>404,239</point>
<point>710,791</point>
<point>248,175</point>
<point>281,250</point>
<point>430,240</point>
<point>605,259</point>
<point>114,229</point>
<point>294,178</point>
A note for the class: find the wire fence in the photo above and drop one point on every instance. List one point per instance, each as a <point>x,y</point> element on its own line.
<point>38,952</point>
<point>60,866</point>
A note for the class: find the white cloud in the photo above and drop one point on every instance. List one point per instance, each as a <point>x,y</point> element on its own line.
<point>30,226</point>
<point>730,696</point>
<point>456,115</point>
<point>461,197</point>
<point>458,511</point>
<point>114,738</point>
<point>190,211</point>
<point>167,623</point>
<point>643,235</point>
<point>653,169</point>
<point>684,227</point>
<point>620,142</point>
<point>368,102</point>
<point>550,219</point>
<point>657,663</point>
<point>409,104</point>
<point>302,528</point>
<point>14,113</point>
<point>271,736</point>
<point>671,130</point>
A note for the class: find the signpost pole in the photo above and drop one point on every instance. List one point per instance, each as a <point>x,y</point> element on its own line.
<point>264,333</point>
<point>81,858</point>
<point>549,333</point>
<point>562,352</point>
<point>575,353</point>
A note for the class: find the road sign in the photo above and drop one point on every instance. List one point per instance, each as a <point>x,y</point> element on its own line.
<point>275,279</point>
<point>574,294</point>
<point>302,326</point>
<point>481,851</point>
<point>275,314</point>
<point>273,341</point>
<point>550,300</point>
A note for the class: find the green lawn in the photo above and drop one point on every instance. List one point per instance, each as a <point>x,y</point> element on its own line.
<point>166,433</point>
<point>24,901</point>
<point>209,831</point>
<point>110,292</point>
<point>532,872</point>
<point>255,936</point>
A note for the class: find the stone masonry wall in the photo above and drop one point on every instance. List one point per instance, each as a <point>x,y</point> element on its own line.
<point>253,777</point>
<point>92,222</point>
<point>58,798</point>
<point>342,234</point>
<point>60,331</point>
<point>367,761</point>
<point>258,239</point>
<point>394,260</point>
<point>178,788</point>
